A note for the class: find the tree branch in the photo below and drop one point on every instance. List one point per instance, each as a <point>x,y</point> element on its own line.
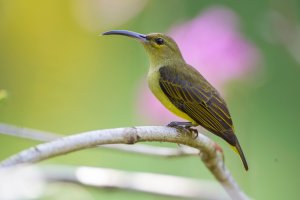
<point>144,149</point>
<point>210,154</point>
<point>167,185</point>
<point>14,182</point>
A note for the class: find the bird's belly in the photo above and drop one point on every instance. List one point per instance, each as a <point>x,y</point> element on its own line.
<point>153,82</point>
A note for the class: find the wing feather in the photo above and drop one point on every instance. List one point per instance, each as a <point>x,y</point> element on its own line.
<point>193,95</point>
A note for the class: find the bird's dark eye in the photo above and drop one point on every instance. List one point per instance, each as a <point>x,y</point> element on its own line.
<point>159,41</point>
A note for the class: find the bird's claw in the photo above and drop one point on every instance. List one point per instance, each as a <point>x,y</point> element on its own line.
<point>184,125</point>
<point>172,124</point>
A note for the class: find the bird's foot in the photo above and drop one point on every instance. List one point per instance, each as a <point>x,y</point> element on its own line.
<point>184,125</point>
<point>181,124</point>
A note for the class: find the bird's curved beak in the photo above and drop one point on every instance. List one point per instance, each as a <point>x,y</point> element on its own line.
<point>132,34</point>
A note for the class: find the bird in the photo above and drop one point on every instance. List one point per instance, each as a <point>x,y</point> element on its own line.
<point>183,90</point>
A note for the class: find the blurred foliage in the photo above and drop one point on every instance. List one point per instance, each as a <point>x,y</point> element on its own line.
<point>63,77</point>
<point>3,95</point>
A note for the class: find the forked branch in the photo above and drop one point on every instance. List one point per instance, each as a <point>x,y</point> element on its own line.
<point>210,152</point>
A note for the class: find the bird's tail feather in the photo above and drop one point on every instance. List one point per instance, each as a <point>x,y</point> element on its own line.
<point>237,148</point>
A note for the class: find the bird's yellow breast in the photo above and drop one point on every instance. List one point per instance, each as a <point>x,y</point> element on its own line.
<point>153,82</point>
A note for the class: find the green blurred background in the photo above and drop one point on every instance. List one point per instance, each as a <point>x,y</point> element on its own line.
<point>61,77</point>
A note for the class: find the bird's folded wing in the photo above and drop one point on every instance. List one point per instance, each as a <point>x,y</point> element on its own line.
<point>193,95</point>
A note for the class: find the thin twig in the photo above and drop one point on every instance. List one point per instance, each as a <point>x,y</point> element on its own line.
<point>210,153</point>
<point>28,133</point>
<point>154,150</point>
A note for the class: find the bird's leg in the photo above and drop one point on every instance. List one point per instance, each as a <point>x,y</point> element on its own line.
<point>186,125</point>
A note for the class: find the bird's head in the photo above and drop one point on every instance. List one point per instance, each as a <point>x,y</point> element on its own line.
<point>160,48</point>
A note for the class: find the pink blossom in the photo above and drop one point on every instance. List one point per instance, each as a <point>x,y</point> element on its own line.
<point>213,44</point>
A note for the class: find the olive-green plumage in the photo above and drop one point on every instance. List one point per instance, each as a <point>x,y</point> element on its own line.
<point>183,90</point>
